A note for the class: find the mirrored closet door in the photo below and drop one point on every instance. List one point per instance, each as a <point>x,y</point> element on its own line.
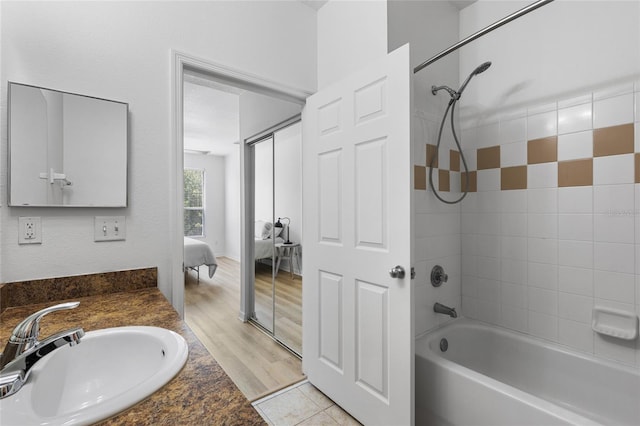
<point>278,234</point>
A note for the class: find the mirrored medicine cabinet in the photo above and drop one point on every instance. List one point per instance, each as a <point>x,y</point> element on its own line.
<point>66,150</point>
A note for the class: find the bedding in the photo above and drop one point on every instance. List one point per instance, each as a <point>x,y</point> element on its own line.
<point>263,231</point>
<point>198,253</point>
<point>264,248</point>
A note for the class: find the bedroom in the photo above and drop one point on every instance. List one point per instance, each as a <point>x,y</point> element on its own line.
<point>216,117</point>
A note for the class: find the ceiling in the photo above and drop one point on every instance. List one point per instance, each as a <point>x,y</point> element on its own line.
<point>211,116</point>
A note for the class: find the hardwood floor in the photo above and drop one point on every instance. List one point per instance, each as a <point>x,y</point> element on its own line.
<point>288,306</point>
<point>257,364</point>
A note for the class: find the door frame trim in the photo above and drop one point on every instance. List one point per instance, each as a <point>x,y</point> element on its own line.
<point>181,61</point>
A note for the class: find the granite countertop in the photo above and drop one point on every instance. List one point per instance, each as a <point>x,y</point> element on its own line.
<point>201,393</point>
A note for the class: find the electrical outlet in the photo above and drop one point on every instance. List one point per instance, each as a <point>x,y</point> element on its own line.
<point>109,228</point>
<point>29,230</point>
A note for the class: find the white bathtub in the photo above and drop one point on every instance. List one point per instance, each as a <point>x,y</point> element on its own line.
<point>492,376</point>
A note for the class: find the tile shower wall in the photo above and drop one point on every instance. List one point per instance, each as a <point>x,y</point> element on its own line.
<point>552,228</point>
<point>437,224</point>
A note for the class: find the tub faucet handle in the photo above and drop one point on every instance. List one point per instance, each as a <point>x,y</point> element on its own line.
<point>438,276</point>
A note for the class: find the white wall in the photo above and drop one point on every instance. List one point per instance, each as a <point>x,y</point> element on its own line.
<point>122,50</point>
<point>350,35</point>
<point>232,205</point>
<point>214,197</point>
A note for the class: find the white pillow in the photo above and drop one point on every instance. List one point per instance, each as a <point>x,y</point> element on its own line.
<point>259,226</point>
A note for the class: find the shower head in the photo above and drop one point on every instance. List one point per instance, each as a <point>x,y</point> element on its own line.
<point>480,69</point>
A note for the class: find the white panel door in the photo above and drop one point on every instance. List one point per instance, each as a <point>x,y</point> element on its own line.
<point>357,320</point>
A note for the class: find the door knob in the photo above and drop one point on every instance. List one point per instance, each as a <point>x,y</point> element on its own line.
<point>397,272</point>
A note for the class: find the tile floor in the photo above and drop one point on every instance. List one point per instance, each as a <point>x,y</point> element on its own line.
<point>301,404</point>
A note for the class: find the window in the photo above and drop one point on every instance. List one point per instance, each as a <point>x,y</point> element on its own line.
<point>193,203</point>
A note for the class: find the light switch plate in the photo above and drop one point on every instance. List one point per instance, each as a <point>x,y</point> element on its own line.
<point>29,230</point>
<point>109,228</point>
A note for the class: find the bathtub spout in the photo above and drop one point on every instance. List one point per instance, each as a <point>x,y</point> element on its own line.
<point>442,309</point>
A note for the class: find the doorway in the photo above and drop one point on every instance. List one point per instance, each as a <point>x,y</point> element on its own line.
<point>256,363</point>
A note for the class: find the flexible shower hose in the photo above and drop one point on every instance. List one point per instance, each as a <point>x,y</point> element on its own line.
<point>451,106</point>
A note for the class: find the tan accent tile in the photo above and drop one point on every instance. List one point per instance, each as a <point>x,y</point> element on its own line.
<point>419,177</point>
<point>543,150</point>
<point>637,168</point>
<point>613,140</point>
<point>513,178</point>
<point>443,181</point>
<point>473,181</point>
<point>489,158</point>
<point>431,152</point>
<point>575,173</point>
<point>454,160</point>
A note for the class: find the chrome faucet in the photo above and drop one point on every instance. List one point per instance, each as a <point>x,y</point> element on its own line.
<point>442,309</point>
<point>24,349</point>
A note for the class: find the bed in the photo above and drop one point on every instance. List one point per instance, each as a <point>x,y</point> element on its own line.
<point>197,253</point>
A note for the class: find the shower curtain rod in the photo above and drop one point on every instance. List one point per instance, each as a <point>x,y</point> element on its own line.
<point>495,25</point>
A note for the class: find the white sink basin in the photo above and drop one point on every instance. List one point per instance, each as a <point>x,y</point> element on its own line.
<point>109,371</point>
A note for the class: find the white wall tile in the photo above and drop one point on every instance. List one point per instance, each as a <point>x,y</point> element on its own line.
<point>514,295</point>
<point>438,224</point>
<point>514,248</point>
<point>543,326</point>
<point>575,307</point>
<point>613,169</point>
<point>544,175</point>
<point>471,157</point>
<point>542,225</point>
<point>611,199</point>
<point>614,286</point>
<point>487,223</point>
<point>469,286</point>
<point>543,275</point>
<point>614,228</point>
<point>468,245</point>
<point>613,111</point>
<point>575,227</point>
<point>543,250</point>
<point>614,257</point>
<point>489,245</point>
<point>513,154</point>
<point>514,224</point>
<point>489,268</point>
<point>574,146</point>
<point>543,200</point>
<point>576,335</point>
<point>487,135</point>
<point>637,107</point>
<point>575,280</point>
<point>514,201</point>
<point>578,254</point>
<point>514,271</point>
<point>636,135</point>
<point>575,199</point>
<point>574,119</point>
<point>489,202</point>
<point>514,318</point>
<point>513,130</point>
<point>488,311</point>
<point>488,180</point>
<point>542,125</point>
<point>638,293</point>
